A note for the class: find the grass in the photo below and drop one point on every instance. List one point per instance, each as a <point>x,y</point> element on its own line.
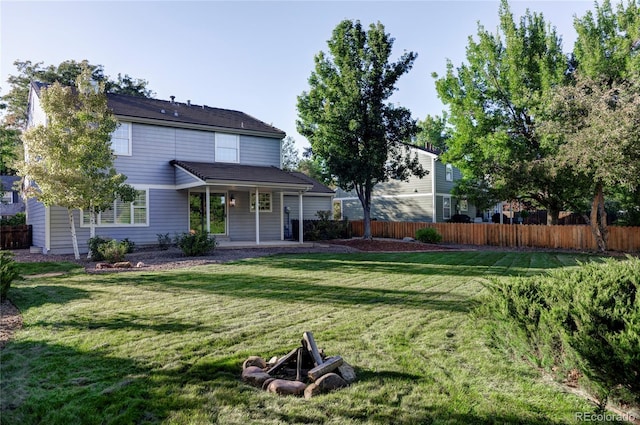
<point>167,347</point>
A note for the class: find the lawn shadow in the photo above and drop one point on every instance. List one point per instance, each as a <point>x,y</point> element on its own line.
<point>26,297</point>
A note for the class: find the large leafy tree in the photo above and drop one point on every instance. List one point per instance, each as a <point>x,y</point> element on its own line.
<point>598,125</point>
<point>66,73</point>
<point>290,158</point>
<point>347,117</point>
<point>70,158</point>
<point>493,100</point>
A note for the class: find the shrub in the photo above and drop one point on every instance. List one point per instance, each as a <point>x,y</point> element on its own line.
<point>129,244</point>
<point>16,220</point>
<point>428,235</point>
<point>196,243</point>
<point>325,228</point>
<point>113,251</point>
<point>164,241</point>
<point>586,319</point>
<point>8,273</point>
<point>94,247</point>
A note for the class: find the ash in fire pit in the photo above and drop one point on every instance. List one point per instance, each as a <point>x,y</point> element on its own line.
<point>304,370</point>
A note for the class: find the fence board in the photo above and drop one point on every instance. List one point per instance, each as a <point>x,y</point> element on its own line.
<point>15,237</point>
<point>578,237</point>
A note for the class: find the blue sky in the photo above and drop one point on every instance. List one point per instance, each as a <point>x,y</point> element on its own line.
<point>253,56</point>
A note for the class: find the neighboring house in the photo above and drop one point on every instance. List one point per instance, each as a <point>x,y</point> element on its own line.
<point>419,199</point>
<point>195,168</point>
<point>11,202</point>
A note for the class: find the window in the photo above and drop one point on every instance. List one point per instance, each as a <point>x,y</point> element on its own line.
<point>463,204</point>
<point>264,202</point>
<point>448,173</point>
<point>7,198</point>
<point>227,148</point>
<point>123,213</point>
<point>121,139</point>
<point>446,207</point>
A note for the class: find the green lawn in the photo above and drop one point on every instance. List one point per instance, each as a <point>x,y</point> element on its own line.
<point>167,347</point>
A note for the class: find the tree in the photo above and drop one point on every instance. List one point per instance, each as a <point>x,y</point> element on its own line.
<point>316,168</point>
<point>70,159</point>
<point>433,133</point>
<point>290,157</point>
<point>66,73</point>
<point>493,101</point>
<point>361,139</point>
<point>9,142</point>
<point>599,127</point>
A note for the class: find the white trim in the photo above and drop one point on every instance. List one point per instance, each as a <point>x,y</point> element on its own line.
<point>434,212</point>
<point>410,195</point>
<point>257,213</point>
<point>281,216</point>
<point>47,229</point>
<point>311,194</point>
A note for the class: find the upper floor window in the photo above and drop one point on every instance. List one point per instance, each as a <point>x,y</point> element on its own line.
<point>121,139</point>
<point>123,213</point>
<point>264,202</point>
<point>448,176</point>
<point>227,148</point>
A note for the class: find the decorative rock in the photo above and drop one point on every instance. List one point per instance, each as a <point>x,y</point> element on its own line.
<point>101,266</point>
<point>312,390</point>
<point>331,381</point>
<point>123,265</point>
<point>285,387</point>
<point>255,376</point>
<point>408,239</point>
<point>347,372</point>
<point>254,361</point>
<point>139,265</point>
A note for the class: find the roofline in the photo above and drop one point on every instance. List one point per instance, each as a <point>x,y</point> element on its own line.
<point>179,124</point>
<point>253,184</point>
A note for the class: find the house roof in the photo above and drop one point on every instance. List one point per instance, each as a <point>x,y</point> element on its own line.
<point>243,175</point>
<point>317,186</point>
<point>170,112</point>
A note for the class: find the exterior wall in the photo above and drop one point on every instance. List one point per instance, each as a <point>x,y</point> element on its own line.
<point>406,208</point>
<point>311,204</point>
<point>182,177</point>
<point>36,217</point>
<point>259,151</point>
<point>242,221</point>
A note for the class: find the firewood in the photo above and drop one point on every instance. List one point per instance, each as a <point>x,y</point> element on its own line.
<point>284,360</point>
<point>329,366</point>
<point>299,365</point>
<point>312,347</point>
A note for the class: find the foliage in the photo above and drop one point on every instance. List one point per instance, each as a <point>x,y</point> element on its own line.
<point>433,133</point>
<point>290,158</point>
<point>196,243</point>
<point>325,228</point>
<point>316,168</point>
<point>129,244</point>
<point>9,149</point>
<point>113,251</point>
<point>94,245</point>
<point>19,219</point>
<point>586,319</point>
<point>66,73</point>
<point>494,100</point>
<point>8,273</point>
<point>164,241</point>
<point>70,158</point>
<point>428,235</point>
<point>361,139</point>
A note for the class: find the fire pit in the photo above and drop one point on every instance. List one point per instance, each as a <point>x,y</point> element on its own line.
<point>304,370</point>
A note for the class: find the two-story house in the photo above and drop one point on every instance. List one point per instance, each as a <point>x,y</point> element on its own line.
<point>427,199</point>
<point>195,168</point>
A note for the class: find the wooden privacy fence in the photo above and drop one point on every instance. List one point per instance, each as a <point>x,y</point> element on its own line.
<point>15,237</point>
<point>624,239</point>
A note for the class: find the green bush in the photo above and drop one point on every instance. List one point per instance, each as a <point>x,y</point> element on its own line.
<point>94,247</point>
<point>8,273</point>
<point>196,243</point>
<point>325,228</point>
<point>113,251</point>
<point>17,220</point>
<point>585,319</point>
<point>428,235</point>
<point>164,241</point>
<point>129,244</point>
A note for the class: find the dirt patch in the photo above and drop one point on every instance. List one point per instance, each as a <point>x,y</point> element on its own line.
<point>10,321</point>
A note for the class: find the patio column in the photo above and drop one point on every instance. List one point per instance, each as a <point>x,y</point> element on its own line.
<point>301,218</point>
<point>257,207</point>
<point>207,200</point>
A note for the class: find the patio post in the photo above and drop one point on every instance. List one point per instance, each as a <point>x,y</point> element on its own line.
<point>300,219</point>
<point>257,207</point>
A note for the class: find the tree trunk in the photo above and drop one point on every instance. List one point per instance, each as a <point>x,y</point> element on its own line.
<point>553,216</point>
<point>367,222</point>
<point>598,219</point>
<point>92,226</point>
<point>74,237</point>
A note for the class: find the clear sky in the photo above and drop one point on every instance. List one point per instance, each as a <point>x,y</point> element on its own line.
<point>253,56</point>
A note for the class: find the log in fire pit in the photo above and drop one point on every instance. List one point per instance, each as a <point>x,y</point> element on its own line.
<point>304,370</point>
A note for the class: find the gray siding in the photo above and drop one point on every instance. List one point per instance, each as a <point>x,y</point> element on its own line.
<point>259,151</point>
<point>182,177</point>
<point>194,145</point>
<point>242,222</point>
<point>311,205</point>
<point>406,208</point>
<point>60,239</point>
<point>152,148</point>
<point>36,217</point>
